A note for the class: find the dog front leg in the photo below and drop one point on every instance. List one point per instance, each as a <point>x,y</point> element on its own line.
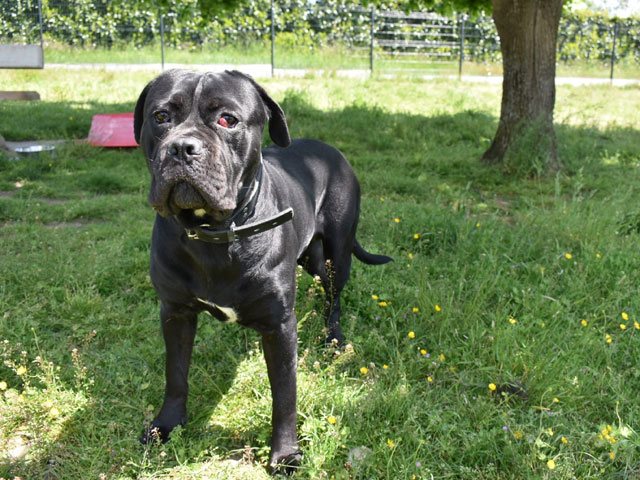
<point>281,355</point>
<point>178,330</point>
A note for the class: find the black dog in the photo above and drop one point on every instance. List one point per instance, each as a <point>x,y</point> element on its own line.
<point>232,223</point>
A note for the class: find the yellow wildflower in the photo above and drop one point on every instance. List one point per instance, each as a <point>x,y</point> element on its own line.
<point>385,367</point>
<point>437,307</point>
<point>442,357</point>
<point>551,464</point>
<point>584,323</point>
<point>416,236</point>
<point>625,316</point>
<point>429,379</point>
<point>375,297</point>
<point>564,440</point>
<point>492,387</point>
<point>390,443</point>
<point>623,326</point>
<point>423,351</point>
<point>608,338</point>
<point>331,420</point>
<point>383,304</point>
<point>416,309</point>
<point>512,321</point>
<point>412,334</point>
<point>518,434</point>
<point>397,220</point>
<point>364,370</point>
<point>555,400</point>
<point>550,431</point>
<point>637,325</point>
<point>21,371</point>
<point>568,256</point>
<point>3,386</point>
<point>598,255</point>
<point>612,455</point>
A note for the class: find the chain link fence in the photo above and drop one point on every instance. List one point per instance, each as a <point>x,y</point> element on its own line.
<point>354,36</point>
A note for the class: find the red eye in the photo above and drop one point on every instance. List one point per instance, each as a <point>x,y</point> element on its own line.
<point>227,121</point>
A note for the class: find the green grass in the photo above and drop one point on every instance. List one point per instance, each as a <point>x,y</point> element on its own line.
<point>82,354</point>
<point>328,57</point>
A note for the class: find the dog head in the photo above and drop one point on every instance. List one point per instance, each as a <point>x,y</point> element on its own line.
<point>201,134</point>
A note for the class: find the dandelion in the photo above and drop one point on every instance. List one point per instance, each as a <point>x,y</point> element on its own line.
<point>492,387</point>
<point>21,371</point>
<point>551,464</point>
<point>391,443</point>
<point>625,316</point>
<point>416,309</point>
<point>3,386</point>
<point>416,236</point>
<point>364,370</point>
<point>512,321</point>
<point>584,323</point>
<point>568,256</point>
<point>331,420</point>
<point>423,351</point>
<point>623,326</point>
<point>437,307</point>
<point>397,220</point>
<point>412,334</point>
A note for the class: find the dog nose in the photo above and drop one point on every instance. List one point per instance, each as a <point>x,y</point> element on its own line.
<point>185,149</point>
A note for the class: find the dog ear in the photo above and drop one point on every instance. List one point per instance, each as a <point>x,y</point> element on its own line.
<point>138,114</point>
<point>278,129</point>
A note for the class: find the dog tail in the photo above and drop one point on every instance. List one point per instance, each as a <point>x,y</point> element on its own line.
<point>369,258</point>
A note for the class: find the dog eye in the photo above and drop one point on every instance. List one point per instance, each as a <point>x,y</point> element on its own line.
<point>162,117</point>
<point>227,121</point>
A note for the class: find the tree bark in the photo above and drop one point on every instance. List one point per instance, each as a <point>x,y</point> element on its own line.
<point>528,31</point>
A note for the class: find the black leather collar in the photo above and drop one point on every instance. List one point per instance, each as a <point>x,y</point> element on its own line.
<point>239,217</point>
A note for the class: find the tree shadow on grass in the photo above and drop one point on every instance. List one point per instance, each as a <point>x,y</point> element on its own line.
<point>412,158</point>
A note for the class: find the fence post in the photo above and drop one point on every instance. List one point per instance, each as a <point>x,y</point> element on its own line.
<point>273,39</point>
<point>40,20</point>
<point>613,48</point>
<point>373,20</point>
<point>461,47</point>
<point>162,39</point>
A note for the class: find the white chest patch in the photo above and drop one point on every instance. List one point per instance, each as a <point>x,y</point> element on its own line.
<point>224,314</point>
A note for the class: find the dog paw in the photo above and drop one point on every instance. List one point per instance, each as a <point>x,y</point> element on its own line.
<point>285,464</point>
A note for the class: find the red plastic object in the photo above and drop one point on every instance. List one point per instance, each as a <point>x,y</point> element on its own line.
<point>112,130</point>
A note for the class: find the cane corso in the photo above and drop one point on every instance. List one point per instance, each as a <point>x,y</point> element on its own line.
<point>232,222</point>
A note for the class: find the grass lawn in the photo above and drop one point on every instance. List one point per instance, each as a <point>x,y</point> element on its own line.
<point>503,342</point>
<point>323,58</point>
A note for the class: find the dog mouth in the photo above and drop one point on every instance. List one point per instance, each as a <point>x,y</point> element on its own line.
<point>190,206</point>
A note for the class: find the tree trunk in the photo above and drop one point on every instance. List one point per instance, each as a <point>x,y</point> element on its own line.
<point>528,31</point>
